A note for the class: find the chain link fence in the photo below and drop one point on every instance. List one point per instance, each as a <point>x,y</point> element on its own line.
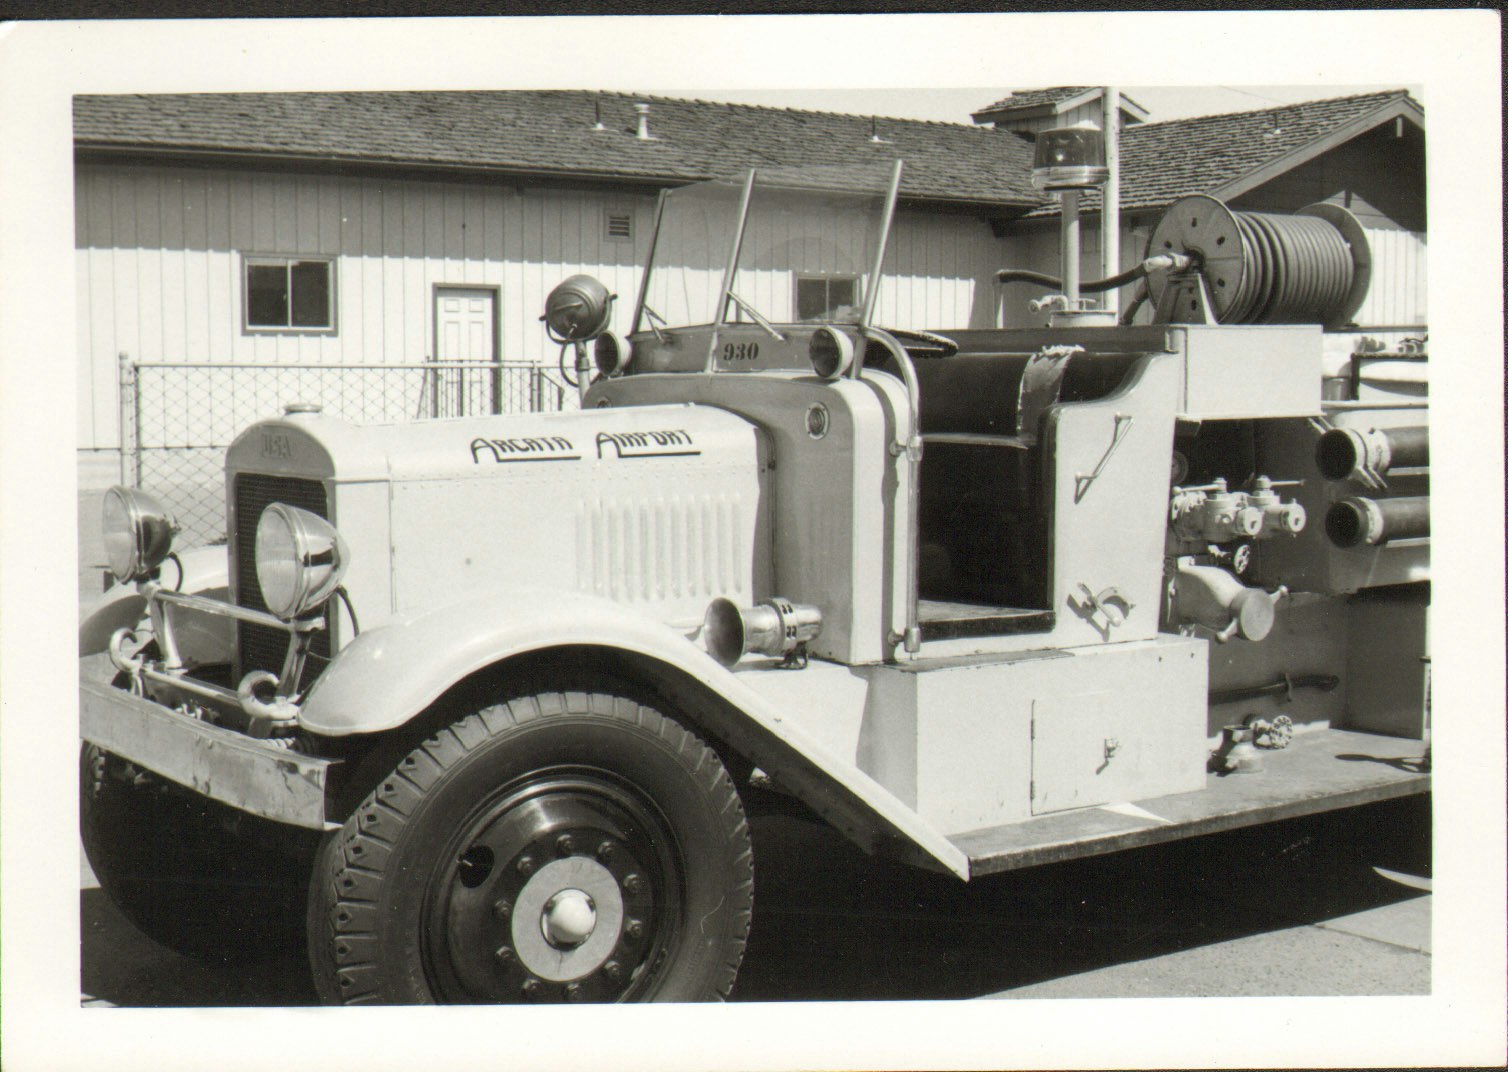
<point>177,419</point>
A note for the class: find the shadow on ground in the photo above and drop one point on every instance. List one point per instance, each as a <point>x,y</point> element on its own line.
<point>826,927</point>
<point>830,924</point>
<point>122,967</point>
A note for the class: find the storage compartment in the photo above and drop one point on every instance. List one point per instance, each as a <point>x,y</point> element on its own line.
<point>1133,729</point>
<point>973,744</point>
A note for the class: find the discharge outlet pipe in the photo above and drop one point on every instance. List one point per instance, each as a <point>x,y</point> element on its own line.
<point>1359,522</point>
<point>1346,454</point>
<point>1214,598</point>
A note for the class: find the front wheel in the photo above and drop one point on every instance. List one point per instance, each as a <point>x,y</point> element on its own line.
<point>560,847</point>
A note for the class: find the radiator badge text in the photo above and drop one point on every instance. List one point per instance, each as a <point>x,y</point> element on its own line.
<point>276,445</point>
<point>669,444</point>
<point>524,449</point>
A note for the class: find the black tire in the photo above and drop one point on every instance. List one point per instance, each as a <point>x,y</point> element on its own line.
<point>559,847</point>
<point>191,874</point>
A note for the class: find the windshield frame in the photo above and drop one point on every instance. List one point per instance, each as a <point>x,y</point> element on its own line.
<point>738,225</point>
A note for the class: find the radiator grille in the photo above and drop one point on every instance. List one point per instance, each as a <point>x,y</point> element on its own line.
<point>258,647</point>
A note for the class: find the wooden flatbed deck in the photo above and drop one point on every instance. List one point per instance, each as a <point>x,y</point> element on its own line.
<point>1319,771</point>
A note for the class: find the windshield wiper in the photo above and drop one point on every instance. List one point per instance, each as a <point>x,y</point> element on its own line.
<point>655,320</point>
<point>753,315</point>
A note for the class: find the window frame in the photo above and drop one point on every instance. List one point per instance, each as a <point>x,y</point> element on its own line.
<point>826,278</point>
<point>286,261</point>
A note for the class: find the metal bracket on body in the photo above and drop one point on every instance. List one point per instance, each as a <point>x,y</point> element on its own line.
<point>1082,481</point>
<point>1365,475</point>
<point>1188,292</point>
<point>1108,602</point>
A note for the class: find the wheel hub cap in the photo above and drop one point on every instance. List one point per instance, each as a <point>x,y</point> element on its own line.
<point>558,892</point>
<point>568,919</point>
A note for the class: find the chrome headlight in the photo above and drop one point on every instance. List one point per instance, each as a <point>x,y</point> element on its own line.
<point>138,533</point>
<point>300,559</point>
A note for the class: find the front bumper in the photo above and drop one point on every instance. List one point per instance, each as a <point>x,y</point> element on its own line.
<point>248,774</point>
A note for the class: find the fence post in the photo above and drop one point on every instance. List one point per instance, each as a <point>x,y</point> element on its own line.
<point>129,418</point>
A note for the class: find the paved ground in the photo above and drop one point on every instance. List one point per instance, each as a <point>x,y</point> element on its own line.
<point>1318,906</point>
<point>1329,905</point>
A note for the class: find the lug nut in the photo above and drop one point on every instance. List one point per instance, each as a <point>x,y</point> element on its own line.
<point>605,851</point>
<point>504,954</point>
<point>633,883</point>
<point>526,865</point>
<point>531,988</point>
<point>565,845</point>
<point>573,992</point>
<point>613,970</point>
<point>634,930</point>
<point>502,909</point>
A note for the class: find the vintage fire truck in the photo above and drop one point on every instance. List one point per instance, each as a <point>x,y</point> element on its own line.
<point>476,707</point>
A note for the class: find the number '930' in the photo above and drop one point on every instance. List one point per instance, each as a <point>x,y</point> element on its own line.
<point>740,351</point>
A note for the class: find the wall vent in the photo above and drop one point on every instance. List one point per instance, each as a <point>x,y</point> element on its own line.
<point>620,225</point>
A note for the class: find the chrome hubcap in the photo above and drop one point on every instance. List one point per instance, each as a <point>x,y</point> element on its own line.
<point>567,919</point>
<point>564,889</point>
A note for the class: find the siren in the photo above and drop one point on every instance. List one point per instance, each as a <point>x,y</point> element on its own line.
<point>775,627</point>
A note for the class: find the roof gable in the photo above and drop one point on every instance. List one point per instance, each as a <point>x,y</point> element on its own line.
<point>1033,103</point>
<point>1227,155</point>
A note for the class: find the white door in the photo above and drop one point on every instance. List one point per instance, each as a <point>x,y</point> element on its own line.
<point>465,331</point>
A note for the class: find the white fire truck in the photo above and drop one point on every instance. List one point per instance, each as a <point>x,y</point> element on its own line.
<point>474,707</point>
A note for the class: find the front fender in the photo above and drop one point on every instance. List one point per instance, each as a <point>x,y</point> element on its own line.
<point>388,675</point>
<point>202,640</point>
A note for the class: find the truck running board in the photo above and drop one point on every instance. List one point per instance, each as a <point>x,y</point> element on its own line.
<point>1319,771</point>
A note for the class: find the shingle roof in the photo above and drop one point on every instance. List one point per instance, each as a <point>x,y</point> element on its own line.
<point>1161,162</point>
<point>551,132</point>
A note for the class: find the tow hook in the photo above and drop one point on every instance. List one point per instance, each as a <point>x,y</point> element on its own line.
<point>265,717</point>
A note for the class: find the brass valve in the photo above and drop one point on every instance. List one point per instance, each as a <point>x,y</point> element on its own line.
<point>1212,513</point>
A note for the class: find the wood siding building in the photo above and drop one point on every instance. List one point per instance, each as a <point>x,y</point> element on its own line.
<point>164,252</point>
<point>395,229</point>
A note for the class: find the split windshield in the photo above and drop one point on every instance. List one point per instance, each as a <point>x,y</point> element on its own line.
<point>808,247</point>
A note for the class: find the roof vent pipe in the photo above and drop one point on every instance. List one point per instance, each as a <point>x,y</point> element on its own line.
<point>643,132</point>
<point>597,113</point>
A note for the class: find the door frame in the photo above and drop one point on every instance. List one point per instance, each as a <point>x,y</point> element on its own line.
<point>496,291</point>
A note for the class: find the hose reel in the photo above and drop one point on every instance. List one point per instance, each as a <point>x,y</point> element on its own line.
<point>1257,267</point>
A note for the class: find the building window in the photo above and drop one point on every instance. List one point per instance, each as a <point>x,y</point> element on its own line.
<point>825,297</point>
<point>289,294</point>
<point>620,225</point>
